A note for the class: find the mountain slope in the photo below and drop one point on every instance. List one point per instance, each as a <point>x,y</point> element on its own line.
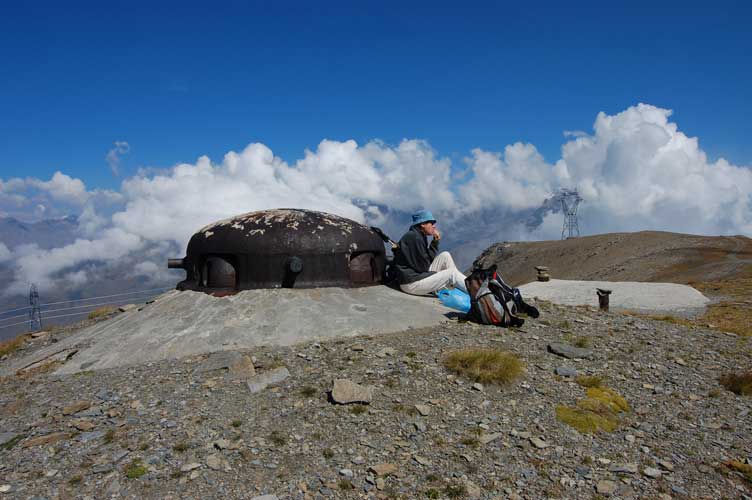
<point>642,256</point>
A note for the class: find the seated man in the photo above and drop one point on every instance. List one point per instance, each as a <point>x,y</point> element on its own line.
<point>421,270</point>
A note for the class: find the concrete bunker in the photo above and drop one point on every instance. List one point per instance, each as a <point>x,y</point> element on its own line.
<point>281,248</point>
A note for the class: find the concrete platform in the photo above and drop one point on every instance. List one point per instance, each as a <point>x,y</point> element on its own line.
<point>626,295</point>
<point>180,324</point>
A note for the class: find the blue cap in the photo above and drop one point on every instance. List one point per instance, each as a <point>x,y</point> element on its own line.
<point>422,216</point>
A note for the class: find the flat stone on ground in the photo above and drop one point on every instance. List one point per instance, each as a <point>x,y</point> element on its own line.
<point>265,379</point>
<point>346,391</point>
<point>566,371</point>
<point>47,439</point>
<point>383,469</point>
<point>7,437</point>
<point>221,360</point>
<point>605,487</point>
<point>569,351</point>
<point>76,407</point>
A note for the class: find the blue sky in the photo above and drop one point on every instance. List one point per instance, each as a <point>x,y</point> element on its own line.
<point>177,81</point>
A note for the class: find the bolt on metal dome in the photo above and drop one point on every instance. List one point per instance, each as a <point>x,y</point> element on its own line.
<point>281,248</point>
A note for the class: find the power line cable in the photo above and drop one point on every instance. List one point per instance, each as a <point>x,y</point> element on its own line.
<point>89,298</point>
<point>105,296</point>
<point>63,309</point>
<point>46,318</point>
<point>51,317</point>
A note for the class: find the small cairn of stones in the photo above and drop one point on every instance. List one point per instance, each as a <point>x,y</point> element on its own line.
<point>543,274</point>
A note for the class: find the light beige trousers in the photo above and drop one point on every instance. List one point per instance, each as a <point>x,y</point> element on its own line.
<point>446,274</point>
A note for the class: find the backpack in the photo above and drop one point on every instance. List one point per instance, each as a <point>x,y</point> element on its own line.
<point>493,302</point>
<point>391,275</point>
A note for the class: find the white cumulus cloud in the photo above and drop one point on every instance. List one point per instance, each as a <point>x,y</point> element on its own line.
<point>636,170</point>
<point>113,156</point>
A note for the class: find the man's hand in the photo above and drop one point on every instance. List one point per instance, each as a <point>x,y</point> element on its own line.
<point>436,234</point>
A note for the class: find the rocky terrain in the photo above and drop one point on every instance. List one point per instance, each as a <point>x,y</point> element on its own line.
<point>641,256</point>
<point>264,423</point>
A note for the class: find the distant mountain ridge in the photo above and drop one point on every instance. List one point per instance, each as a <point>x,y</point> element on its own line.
<point>46,233</point>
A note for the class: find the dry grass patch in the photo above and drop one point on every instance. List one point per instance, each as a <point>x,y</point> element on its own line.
<point>585,421</point>
<point>10,345</point>
<point>667,318</point>
<point>734,313</point>
<point>731,317</point>
<point>738,383</point>
<point>135,469</point>
<point>358,409</point>
<point>590,380</point>
<point>609,397</point>
<point>582,342</point>
<point>744,469</point>
<point>485,365</point>
<point>101,312</point>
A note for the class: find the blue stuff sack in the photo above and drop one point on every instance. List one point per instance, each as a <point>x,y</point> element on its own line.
<point>455,298</point>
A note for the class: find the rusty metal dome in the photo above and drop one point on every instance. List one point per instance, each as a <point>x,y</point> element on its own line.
<point>282,248</point>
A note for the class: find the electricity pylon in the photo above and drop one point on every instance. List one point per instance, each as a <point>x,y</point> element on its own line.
<point>35,314</point>
<point>570,200</point>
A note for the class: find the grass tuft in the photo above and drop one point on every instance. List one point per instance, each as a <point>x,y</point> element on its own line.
<point>328,453</point>
<point>745,469</point>
<point>485,365</point>
<point>456,491</point>
<point>358,409</point>
<point>10,345</point>
<point>470,441</point>
<point>13,442</point>
<point>406,409</point>
<point>345,485</point>
<point>277,438</point>
<point>610,397</point>
<point>599,411</point>
<point>100,312</point>
<point>308,391</point>
<point>236,423</point>
<point>135,469</point>
<point>109,436</point>
<point>586,421</point>
<point>181,447</point>
<point>590,380</point>
<point>582,342</point>
<point>738,383</point>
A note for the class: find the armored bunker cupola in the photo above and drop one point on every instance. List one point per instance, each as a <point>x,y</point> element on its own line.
<point>283,248</point>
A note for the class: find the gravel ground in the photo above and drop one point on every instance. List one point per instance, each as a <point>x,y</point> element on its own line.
<point>180,429</point>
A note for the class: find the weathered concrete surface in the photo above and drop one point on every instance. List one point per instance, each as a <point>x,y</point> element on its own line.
<point>186,323</point>
<point>626,295</point>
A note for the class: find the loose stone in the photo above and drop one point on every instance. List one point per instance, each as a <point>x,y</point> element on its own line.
<point>76,407</point>
<point>605,487</point>
<point>383,469</point>
<point>652,472</point>
<point>264,380</point>
<point>569,351</point>
<point>345,391</point>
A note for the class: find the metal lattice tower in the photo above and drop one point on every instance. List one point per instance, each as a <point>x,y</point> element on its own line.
<point>35,314</point>
<point>570,200</point>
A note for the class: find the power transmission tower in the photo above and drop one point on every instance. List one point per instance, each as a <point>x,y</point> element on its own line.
<point>35,314</point>
<point>570,200</point>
